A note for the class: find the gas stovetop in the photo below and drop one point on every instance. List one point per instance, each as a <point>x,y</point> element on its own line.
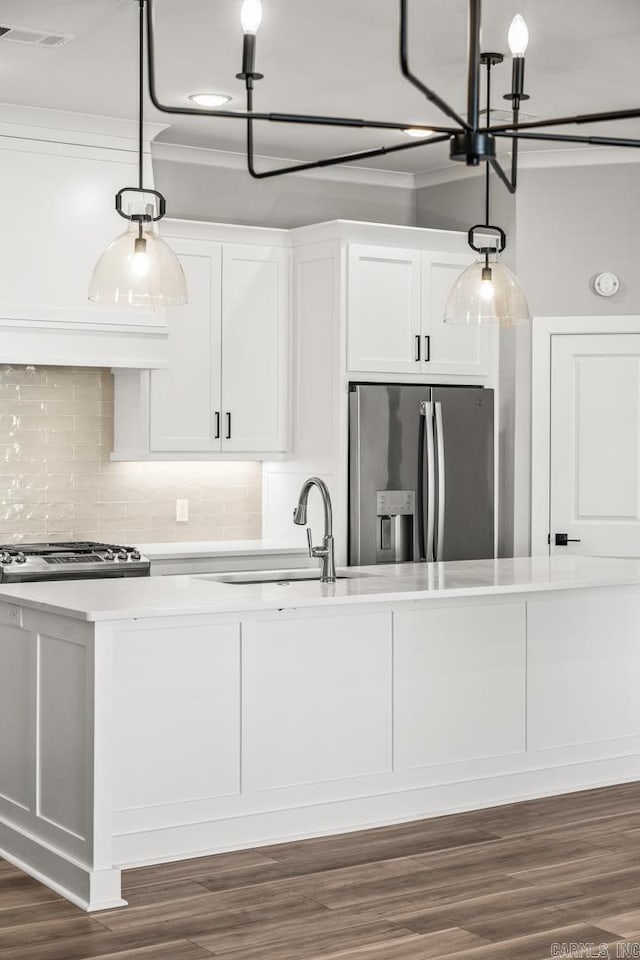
<point>79,560</point>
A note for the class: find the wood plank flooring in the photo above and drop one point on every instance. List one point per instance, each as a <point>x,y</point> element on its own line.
<point>499,884</point>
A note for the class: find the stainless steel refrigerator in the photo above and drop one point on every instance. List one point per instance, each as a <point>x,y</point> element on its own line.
<point>421,473</point>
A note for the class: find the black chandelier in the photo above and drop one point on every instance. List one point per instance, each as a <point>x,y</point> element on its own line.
<point>471,140</point>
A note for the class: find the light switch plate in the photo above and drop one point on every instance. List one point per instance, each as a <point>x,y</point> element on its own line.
<point>182,511</point>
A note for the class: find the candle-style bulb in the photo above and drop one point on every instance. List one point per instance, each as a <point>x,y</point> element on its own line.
<point>518,36</point>
<point>251,16</point>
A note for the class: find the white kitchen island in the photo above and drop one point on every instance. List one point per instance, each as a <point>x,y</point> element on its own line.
<point>150,720</point>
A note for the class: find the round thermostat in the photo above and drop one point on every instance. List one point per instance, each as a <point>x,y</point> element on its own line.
<point>606,284</point>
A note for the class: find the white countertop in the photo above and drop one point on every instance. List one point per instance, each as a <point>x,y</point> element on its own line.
<point>219,548</point>
<point>124,599</point>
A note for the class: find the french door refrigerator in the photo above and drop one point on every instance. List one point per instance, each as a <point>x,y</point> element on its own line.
<point>421,473</point>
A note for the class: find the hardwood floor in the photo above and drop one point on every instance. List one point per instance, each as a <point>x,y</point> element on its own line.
<point>508,882</point>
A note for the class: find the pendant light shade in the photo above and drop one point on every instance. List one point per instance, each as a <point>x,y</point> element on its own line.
<point>138,271</point>
<point>487,294</point>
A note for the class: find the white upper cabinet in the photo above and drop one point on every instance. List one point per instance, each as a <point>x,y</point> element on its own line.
<point>255,327</point>
<point>225,391</point>
<point>185,399</point>
<point>383,309</point>
<point>395,314</point>
<point>448,348</point>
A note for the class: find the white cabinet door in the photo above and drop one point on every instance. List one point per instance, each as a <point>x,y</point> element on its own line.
<point>460,680</point>
<point>176,718</point>
<point>448,349</point>
<point>595,444</point>
<point>583,644</point>
<point>255,362</point>
<point>317,702</point>
<point>184,407</point>
<point>384,310</point>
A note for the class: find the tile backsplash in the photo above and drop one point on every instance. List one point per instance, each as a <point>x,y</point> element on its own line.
<point>57,481</point>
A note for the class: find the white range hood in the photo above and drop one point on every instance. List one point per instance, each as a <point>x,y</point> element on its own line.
<point>60,172</point>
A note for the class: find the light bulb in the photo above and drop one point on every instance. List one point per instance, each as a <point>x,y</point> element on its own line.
<point>487,290</point>
<point>251,16</point>
<point>140,259</point>
<point>518,36</point>
<point>140,264</point>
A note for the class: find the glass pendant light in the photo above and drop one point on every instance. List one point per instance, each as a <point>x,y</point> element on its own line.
<point>139,268</point>
<point>487,293</point>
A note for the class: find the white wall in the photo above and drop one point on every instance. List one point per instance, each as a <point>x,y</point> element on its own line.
<point>573,223</point>
<point>203,192</point>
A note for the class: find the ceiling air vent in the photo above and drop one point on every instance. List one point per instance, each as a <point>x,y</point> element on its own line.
<point>38,38</point>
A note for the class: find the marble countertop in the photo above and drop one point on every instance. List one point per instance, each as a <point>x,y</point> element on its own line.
<point>124,599</point>
<point>219,548</point>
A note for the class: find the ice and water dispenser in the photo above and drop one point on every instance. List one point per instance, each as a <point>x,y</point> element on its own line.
<point>395,526</point>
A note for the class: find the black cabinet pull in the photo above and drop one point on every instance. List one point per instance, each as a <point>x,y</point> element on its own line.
<point>417,348</point>
<point>427,349</point>
<point>217,416</point>
<point>228,437</point>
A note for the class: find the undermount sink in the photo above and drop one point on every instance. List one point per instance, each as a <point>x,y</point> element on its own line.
<point>283,577</point>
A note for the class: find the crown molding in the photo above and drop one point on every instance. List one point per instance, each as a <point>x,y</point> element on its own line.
<point>534,160</point>
<point>343,173</point>
<point>64,126</point>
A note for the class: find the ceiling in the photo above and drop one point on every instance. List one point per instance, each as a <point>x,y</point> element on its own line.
<point>337,56</point>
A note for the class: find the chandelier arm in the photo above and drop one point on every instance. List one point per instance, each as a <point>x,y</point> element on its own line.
<point>570,138</point>
<point>565,121</point>
<point>308,119</point>
<point>497,166</point>
<point>408,74</point>
<point>330,161</point>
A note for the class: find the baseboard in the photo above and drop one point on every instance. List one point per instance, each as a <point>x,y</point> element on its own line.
<point>88,889</point>
<point>362,813</point>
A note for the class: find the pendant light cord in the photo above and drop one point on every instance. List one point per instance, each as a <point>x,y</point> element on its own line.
<point>141,98</point>
<point>487,193</point>
<point>487,182</point>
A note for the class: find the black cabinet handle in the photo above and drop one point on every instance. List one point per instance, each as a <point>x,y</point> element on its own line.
<point>217,416</point>
<point>228,437</point>
<point>427,349</point>
<point>417,348</point>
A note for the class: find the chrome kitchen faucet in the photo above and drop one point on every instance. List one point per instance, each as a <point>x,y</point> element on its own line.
<point>326,552</point>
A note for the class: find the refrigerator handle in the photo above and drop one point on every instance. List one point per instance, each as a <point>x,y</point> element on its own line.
<point>426,411</point>
<point>442,484</point>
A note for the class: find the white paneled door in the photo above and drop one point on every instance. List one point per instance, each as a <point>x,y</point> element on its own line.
<point>595,445</point>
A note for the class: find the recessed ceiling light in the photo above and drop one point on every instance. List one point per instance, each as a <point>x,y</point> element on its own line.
<point>418,132</point>
<point>212,100</point>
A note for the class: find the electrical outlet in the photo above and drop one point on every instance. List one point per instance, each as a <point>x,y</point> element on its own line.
<point>182,511</point>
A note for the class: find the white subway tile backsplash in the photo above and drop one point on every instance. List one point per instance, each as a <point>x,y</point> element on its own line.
<point>57,480</point>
